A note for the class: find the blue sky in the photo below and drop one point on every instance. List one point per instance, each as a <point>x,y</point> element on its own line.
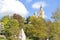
<point>51,6</point>
<point>27,8</point>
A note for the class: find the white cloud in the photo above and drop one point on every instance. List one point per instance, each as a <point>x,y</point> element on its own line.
<point>38,4</point>
<point>8,7</point>
<point>28,1</point>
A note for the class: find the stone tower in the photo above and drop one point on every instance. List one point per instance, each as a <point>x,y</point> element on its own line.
<point>41,12</point>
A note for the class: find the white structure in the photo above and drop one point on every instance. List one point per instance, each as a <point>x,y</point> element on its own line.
<point>22,35</point>
<point>1,27</point>
<point>40,13</point>
<point>47,39</point>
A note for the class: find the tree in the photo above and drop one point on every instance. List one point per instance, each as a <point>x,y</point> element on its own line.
<point>5,19</point>
<point>20,19</point>
<point>10,26</point>
<point>36,28</point>
<point>13,27</point>
<point>52,30</point>
<point>55,27</point>
<point>56,15</point>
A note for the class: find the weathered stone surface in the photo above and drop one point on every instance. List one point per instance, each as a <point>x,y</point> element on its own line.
<point>22,35</point>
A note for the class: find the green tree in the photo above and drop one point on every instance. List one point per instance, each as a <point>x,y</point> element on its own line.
<point>55,26</point>
<point>13,27</point>
<point>56,15</point>
<point>36,28</point>
<point>52,30</point>
<point>5,19</point>
<point>10,26</point>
